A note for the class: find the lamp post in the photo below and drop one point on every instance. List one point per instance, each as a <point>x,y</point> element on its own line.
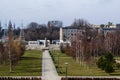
<point>66,64</point>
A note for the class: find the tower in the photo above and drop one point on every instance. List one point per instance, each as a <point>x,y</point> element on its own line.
<point>61,34</point>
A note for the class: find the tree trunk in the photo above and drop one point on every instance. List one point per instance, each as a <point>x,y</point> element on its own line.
<point>10,59</point>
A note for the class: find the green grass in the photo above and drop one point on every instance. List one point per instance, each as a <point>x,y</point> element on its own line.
<point>117,58</point>
<point>29,65</point>
<point>76,69</point>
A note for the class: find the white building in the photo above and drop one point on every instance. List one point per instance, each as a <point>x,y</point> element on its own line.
<point>33,43</point>
<point>42,42</point>
<point>39,44</point>
<point>55,41</point>
<point>104,26</point>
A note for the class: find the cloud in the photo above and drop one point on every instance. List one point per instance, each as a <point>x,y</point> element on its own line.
<point>65,10</point>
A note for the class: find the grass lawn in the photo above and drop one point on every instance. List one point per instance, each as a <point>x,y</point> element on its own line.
<point>76,69</point>
<point>29,65</point>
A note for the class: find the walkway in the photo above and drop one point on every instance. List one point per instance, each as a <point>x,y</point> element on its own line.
<point>48,69</point>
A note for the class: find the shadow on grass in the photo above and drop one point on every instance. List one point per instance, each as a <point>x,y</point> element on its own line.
<point>28,71</point>
<point>29,58</point>
<point>115,74</point>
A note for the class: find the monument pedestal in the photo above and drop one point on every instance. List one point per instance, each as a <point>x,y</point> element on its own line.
<point>45,45</point>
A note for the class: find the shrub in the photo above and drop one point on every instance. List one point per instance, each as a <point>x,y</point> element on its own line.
<point>101,63</point>
<point>106,62</point>
<point>117,65</point>
<point>109,68</point>
<point>109,57</point>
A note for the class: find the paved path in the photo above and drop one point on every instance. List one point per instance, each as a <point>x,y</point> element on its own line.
<point>48,69</point>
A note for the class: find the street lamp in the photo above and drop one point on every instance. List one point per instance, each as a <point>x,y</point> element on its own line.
<point>66,64</point>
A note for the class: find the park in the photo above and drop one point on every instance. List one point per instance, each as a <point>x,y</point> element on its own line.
<point>85,55</point>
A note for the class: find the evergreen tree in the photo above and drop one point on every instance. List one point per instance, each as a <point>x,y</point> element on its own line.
<point>101,63</point>
<point>106,62</point>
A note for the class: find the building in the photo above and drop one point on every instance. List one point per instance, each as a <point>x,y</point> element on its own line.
<point>55,41</point>
<point>39,44</point>
<point>67,34</point>
<point>42,42</point>
<point>106,28</point>
<point>33,43</point>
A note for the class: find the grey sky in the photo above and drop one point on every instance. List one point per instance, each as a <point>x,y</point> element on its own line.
<point>41,11</point>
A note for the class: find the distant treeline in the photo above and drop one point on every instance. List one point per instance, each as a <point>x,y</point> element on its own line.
<point>35,31</point>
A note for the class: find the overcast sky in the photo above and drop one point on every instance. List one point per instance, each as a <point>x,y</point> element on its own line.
<point>41,11</point>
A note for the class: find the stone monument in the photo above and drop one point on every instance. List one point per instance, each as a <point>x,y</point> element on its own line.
<point>46,43</point>
<point>61,35</point>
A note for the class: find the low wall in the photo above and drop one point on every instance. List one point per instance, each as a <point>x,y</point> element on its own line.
<point>90,78</point>
<point>54,47</point>
<point>40,47</point>
<point>20,78</point>
<point>34,47</point>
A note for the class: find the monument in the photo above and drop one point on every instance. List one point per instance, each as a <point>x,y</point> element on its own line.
<point>61,35</point>
<point>45,43</point>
